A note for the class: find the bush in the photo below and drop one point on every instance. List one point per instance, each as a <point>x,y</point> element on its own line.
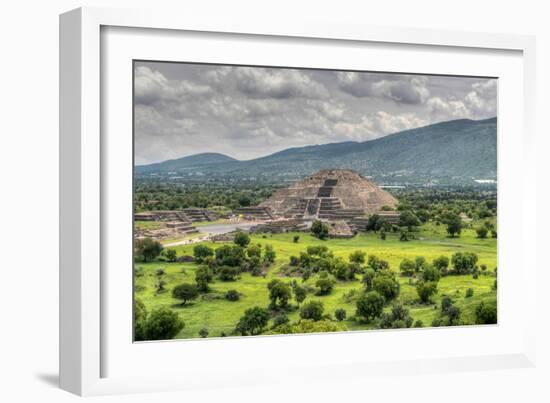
<point>340,314</point>
<point>398,318</point>
<point>370,305</point>
<point>203,332</point>
<point>162,324</point>
<point>407,267</point>
<point>377,264</point>
<point>295,238</point>
<point>228,273</point>
<point>312,310</point>
<point>242,239</point>
<point>171,255</point>
<point>319,229</point>
<point>324,286</point>
<point>430,274</point>
<point>203,275</point>
<point>254,251</point>
<point>201,252</point>
<point>232,295</point>
<point>357,256</point>
<point>280,319</point>
<point>279,293</point>
<point>425,290</point>
<point>464,262</point>
<point>185,292</point>
<point>441,263</point>
<point>228,255</point>
<point>253,321</point>
<point>469,293</point>
<point>386,285</point>
<point>300,293</point>
<point>481,232</point>
<point>147,249</point>
<point>418,323</point>
<point>269,254</point>
<point>486,313</point>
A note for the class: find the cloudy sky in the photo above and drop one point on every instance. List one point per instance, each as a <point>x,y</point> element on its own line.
<point>247,112</point>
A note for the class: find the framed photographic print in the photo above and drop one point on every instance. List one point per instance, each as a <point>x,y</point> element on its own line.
<point>236,195</point>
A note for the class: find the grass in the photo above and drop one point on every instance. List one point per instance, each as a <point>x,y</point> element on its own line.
<point>147,224</point>
<point>218,315</point>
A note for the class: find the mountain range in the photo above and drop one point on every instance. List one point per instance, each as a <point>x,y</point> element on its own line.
<point>453,152</point>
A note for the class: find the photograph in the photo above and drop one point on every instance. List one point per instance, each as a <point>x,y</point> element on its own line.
<point>280,200</point>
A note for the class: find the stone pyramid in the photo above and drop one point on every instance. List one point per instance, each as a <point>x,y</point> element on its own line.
<point>333,194</point>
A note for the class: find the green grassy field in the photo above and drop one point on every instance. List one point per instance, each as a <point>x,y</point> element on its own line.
<point>218,315</point>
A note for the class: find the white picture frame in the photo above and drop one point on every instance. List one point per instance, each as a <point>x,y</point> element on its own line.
<point>87,348</point>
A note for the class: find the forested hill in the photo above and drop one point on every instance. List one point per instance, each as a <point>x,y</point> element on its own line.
<point>454,152</point>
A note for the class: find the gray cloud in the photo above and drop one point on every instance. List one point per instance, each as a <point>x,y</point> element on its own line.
<point>246,112</point>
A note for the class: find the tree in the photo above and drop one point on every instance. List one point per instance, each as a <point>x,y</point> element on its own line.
<point>482,232</point>
<point>228,273</point>
<point>386,285</point>
<point>430,273</point>
<point>300,294</point>
<point>324,286</point>
<point>171,255</point>
<point>203,275</point>
<point>280,319</point>
<point>254,251</point>
<point>312,310</point>
<point>201,252</point>
<point>398,318</point>
<point>232,295</point>
<point>242,239</point>
<point>441,263</point>
<point>244,201</point>
<point>425,290</point>
<point>253,321</point>
<point>185,292</point>
<point>464,262</point>
<point>407,267</point>
<point>486,313</point>
<point>340,314</point>
<point>342,270</point>
<point>370,305</point>
<point>408,219</point>
<point>454,225</point>
<point>377,264</point>
<point>368,278</point>
<point>162,324</point>
<point>230,255</point>
<point>373,223</point>
<point>319,229</point>
<point>269,254</point>
<point>147,249</point>
<point>279,293</point>
<point>357,256</point>
<point>140,316</point>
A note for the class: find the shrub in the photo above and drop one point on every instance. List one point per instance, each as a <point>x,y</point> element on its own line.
<point>295,238</point>
<point>486,313</point>
<point>228,255</point>
<point>253,321</point>
<point>228,273</point>
<point>300,293</point>
<point>370,305</point>
<point>162,324</point>
<point>319,229</point>
<point>357,256</point>
<point>418,323</point>
<point>201,252</point>
<point>279,293</point>
<point>398,318</point>
<point>185,292</point>
<point>171,255</point>
<point>425,290</point>
<point>464,262</point>
<point>375,263</point>
<point>242,239</point>
<point>147,249</point>
<point>160,272</point>
<point>254,251</point>
<point>469,293</point>
<point>481,232</point>
<point>407,267</point>
<point>269,254</point>
<point>203,332</point>
<point>324,286</point>
<point>386,285</point>
<point>430,274</point>
<point>203,275</point>
<point>340,314</point>
<point>441,263</point>
<point>312,310</point>
<point>280,319</point>
<point>232,295</point>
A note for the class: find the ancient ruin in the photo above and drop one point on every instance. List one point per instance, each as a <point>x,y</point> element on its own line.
<point>332,194</point>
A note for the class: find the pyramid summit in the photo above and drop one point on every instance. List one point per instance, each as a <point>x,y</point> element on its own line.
<point>330,194</point>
